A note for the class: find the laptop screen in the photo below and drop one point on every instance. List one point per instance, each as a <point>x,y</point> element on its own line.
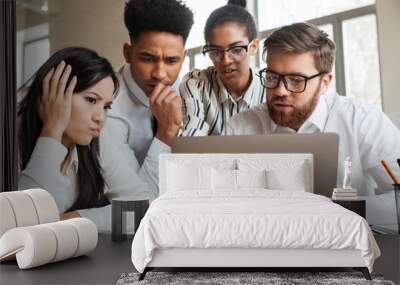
<point>324,148</point>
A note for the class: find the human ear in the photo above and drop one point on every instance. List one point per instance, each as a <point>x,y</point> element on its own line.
<point>254,46</point>
<point>127,52</point>
<point>326,81</point>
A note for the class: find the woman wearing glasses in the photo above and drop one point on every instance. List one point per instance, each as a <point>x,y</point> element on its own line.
<point>213,95</point>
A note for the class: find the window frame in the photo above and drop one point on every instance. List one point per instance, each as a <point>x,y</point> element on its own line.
<point>24,49</point>
<point>336,20</point>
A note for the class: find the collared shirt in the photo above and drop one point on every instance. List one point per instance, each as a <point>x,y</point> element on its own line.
<point>44,171</point>
<point>128,157</point>
<point>366,135</point>
<point>207,104</point>
<point>129,129</point>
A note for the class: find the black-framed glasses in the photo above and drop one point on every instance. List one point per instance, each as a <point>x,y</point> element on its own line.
<point>293,82</point>
<point>236,53</point>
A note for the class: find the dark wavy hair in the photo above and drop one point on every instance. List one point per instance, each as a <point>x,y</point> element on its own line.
<point>170,16</point>
<point>235,11</point>
<point>89,68</point>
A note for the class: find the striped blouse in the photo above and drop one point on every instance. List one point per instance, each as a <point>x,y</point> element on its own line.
<point>207,105</point>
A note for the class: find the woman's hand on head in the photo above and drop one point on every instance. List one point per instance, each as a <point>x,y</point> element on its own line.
<point>69,215</point>
<point>55,104</point>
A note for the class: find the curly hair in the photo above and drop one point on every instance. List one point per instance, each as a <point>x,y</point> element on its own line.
<point>170,16</point>
<point>235,11</point>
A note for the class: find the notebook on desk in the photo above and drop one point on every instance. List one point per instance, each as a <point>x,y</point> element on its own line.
<point>324,148</point>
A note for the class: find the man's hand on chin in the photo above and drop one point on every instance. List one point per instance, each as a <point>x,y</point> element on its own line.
<point>166,107</point>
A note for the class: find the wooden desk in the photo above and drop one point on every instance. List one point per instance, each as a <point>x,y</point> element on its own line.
<point>102,266</point>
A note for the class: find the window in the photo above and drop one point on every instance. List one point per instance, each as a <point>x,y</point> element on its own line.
<point>201,12</point>
<point>201,61</point>
<point>361,59</point>
<point>185,67</point>
<point>352,26</point>
<point>33,49</point>
<point>328,28</point>
<point>272,14</point>
<point>195,41</point>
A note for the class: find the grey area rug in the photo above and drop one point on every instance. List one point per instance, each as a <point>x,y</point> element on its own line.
<point>273,278</point>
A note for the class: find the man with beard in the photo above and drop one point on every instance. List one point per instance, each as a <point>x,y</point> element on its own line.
<point>299,60</point>
<point>146,113</point>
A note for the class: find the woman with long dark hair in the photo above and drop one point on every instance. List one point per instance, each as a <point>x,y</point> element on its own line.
<point>60,117</point>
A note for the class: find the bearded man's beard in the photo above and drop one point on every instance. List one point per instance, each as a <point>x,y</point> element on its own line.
<point>297,117</point>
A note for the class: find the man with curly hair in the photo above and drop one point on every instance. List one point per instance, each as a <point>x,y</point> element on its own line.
<point>146,114</point>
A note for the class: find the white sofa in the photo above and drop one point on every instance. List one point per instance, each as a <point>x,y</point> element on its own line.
<point>31,232</point>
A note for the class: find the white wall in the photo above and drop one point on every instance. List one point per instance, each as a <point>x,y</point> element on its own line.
<point>388,17</point>
<point>95,24</point>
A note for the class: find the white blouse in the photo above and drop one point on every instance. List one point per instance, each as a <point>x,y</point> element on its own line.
<point>207,104</point>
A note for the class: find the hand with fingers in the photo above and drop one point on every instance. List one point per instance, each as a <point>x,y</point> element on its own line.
<point>69,215</point>
<point>166,107</point>
<point>56,101</point>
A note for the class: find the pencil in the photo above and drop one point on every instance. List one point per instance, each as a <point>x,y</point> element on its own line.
<point>386,166</point>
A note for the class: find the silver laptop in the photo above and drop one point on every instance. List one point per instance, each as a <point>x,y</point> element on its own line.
<point>324,148</point>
